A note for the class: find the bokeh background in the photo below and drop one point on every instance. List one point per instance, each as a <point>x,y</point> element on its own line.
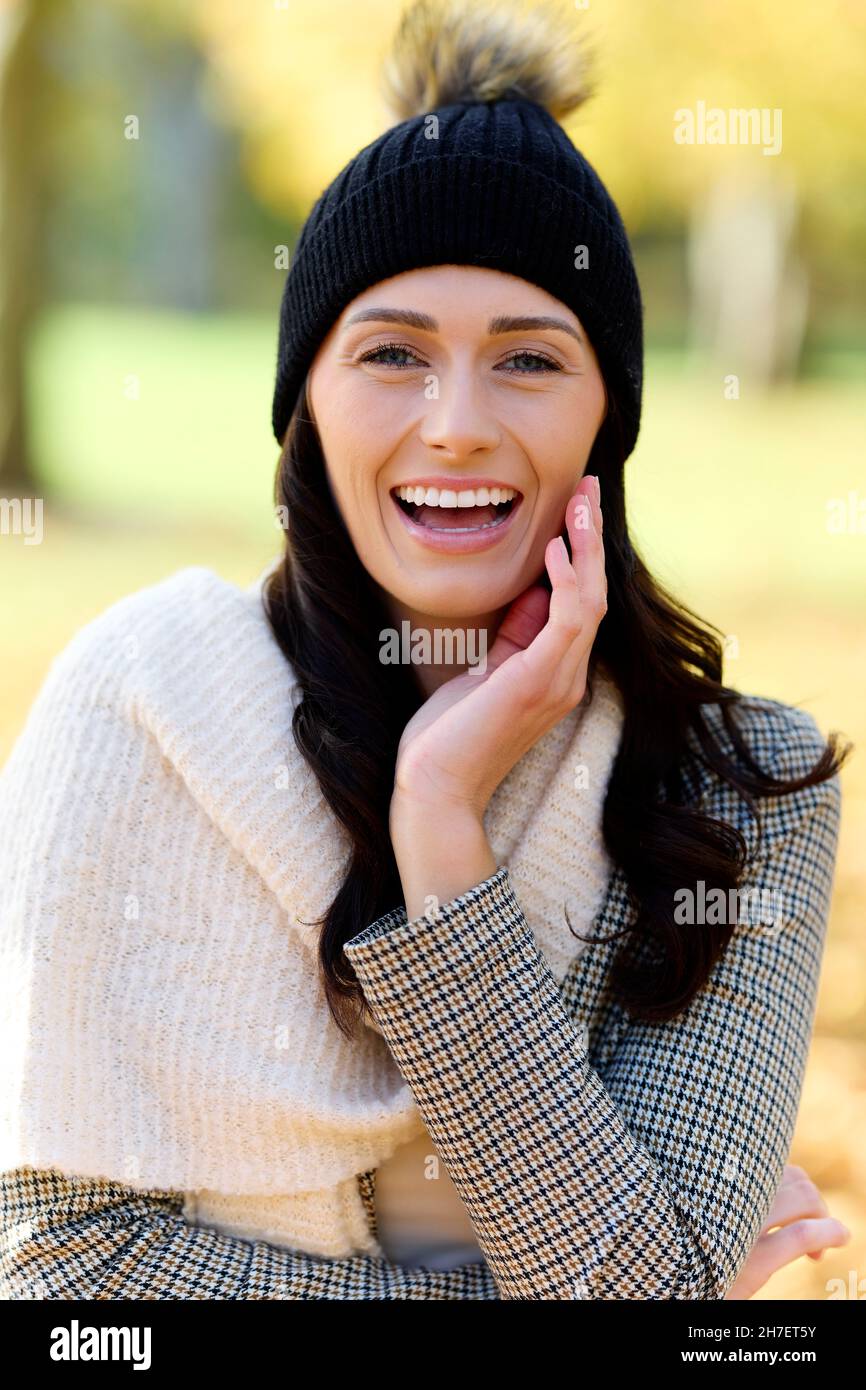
<point>156,163</point>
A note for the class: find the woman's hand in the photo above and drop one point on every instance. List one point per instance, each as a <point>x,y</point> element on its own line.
<point>805,1228</point>
<point>463,741</point>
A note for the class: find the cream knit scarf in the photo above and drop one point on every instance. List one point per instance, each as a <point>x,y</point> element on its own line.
<point>162,847</point>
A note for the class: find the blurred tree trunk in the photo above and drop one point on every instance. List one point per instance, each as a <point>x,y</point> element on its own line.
<point>22,104</point>
<point>749,287</point>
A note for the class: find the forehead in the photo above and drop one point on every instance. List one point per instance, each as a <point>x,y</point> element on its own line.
<point>459,298</point>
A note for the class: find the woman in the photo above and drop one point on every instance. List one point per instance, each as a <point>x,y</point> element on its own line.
<point>344,966</point>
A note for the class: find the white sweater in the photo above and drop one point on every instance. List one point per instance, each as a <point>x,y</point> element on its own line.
<point>163,850</point>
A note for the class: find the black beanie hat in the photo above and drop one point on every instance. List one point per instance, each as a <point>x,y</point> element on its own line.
<point>494,183</point>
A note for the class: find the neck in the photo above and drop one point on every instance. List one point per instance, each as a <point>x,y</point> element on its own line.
<point>441,648</point>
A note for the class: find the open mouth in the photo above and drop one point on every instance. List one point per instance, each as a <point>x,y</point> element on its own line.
<point>489,509</point>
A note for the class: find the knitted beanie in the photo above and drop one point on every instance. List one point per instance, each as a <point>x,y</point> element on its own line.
<point>481,173</point>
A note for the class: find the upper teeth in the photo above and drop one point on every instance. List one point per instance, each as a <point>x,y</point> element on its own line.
<point>469,497</point>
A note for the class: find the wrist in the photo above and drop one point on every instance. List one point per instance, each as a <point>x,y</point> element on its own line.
<point>441,851</point>
<point>412,816</point>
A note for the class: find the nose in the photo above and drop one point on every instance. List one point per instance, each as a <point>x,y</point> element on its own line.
<point>458,420</point>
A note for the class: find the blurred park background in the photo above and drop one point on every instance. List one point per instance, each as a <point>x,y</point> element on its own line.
<point>156,163</point>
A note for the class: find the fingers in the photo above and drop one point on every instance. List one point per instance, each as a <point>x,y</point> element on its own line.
<point>797,1200</point>
<point>551,637</point>
<point>584,524</point>
<point>578,600</point>
<point>535,607</point>
<point>771,1253</point>
<point>797,1196</point>
<point>801,1237</point>
<point>520,626</point>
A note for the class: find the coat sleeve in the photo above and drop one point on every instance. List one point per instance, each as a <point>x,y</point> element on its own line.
<point>70,1237</point>
<point>652,1179</point>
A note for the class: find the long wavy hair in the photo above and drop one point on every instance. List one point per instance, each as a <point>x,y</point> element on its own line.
<point>326,615</point>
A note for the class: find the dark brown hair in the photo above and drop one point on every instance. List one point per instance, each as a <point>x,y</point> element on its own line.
<point>667,662</point>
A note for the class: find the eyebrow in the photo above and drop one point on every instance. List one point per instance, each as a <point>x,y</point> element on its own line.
<point>411,318</point>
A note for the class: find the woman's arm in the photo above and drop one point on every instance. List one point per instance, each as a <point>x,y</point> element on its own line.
<point>653,1178</point>
<point>75,1238</point>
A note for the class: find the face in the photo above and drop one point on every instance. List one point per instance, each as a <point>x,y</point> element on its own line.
<point>444,384</point>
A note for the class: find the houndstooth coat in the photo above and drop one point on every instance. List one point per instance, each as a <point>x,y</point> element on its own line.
<point>598,1157</point>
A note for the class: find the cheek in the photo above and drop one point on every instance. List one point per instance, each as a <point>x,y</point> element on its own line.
<point>567,442</point>
<point>560,428</point>
<point>362,421</point>
<point>358,449</point>
<point>344,435</point>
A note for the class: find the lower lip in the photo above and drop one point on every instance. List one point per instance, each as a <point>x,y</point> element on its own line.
<point>459,542</point>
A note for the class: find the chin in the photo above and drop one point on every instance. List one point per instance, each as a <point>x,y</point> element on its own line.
<point>460,600</point>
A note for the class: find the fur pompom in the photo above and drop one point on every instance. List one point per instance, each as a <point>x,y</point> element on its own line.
<point>481,50</point>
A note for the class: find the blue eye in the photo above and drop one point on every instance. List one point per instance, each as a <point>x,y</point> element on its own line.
<point>545,364</point>
<point>374,354</point>
<point>540,362</point>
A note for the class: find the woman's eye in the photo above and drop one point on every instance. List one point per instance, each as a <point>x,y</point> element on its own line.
<point>395,354</point>
<point>378,354</point>
<point>539,361</point>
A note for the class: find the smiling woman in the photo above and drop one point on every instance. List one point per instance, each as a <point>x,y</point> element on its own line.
<point>373,972</point>
<point>486,370</point>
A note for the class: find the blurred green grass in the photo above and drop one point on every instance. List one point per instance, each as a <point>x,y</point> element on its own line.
<point>154,413</point>
<point>727,499</point>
